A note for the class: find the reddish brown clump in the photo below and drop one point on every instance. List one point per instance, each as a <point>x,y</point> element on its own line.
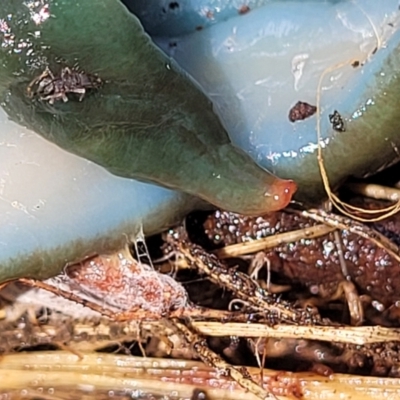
<point>316,261</point>
<point>123,284</point>
<point>301,110</point>
<point>244,9</point>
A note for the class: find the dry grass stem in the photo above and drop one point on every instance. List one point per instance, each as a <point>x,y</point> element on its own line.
<point>139,315</point>
<point>343,223</point>
<point>98,373</point>
<point>269,242</point>
<point>240,284</point>
<point>342,334</point>
<point>374,191</point>
<point>239,374</point>
<point>92,335</point>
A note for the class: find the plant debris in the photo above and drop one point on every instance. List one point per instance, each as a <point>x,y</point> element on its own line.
<point>235,292</point>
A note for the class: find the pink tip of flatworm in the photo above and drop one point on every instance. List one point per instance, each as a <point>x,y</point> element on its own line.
<point>280,193</point>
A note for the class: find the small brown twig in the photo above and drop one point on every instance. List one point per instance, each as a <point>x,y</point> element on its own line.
<point>239,374</point>
<point>242,285</point>
<point>137,314</point>
<point>344,223</point>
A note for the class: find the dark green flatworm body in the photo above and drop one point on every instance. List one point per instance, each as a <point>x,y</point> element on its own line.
<point>147,121</point>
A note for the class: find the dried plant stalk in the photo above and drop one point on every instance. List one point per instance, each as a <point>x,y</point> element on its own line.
<point>374,191</point>
<point>269,242</point>
<point>136,314</point>
<point>95,334</point>
<point>119,287</point>
<point>343,223</point>
<point>241,285</point>
<point>240,375</point>
<point>340,334</point>
<point>96,373</point>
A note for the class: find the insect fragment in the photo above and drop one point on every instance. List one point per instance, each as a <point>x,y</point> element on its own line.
<point>53,87</point>
<point>337,122</point>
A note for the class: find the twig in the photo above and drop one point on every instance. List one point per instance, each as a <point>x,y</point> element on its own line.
<point>243,286</point>
<point>269,242</point>
<point>343,223</point>
<point>239,374</point>
<point>106,372</point>
<point>374,191</point>
<point>138,315</point>
<point>340,334</point>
